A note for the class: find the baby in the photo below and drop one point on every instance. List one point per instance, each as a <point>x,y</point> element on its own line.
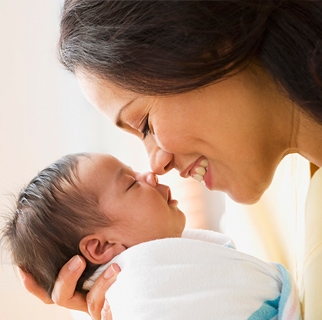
<point>95,206</point>
<point>92,205</point>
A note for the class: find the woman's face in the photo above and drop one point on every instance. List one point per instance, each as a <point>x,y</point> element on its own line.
<point>231,129</point>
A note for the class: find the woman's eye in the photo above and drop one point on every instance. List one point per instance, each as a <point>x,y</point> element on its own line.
<point>146,129</point>
<point>132,184</point>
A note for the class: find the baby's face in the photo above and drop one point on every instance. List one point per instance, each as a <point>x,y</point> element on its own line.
<point>139,211</point>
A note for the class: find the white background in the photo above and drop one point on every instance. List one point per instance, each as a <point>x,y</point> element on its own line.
<point>43,116</point>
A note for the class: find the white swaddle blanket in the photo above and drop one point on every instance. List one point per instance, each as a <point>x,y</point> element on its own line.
<point>198,276</point>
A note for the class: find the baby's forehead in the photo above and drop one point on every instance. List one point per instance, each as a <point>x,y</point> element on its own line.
<point>94,160</point>
<point>98,167</point>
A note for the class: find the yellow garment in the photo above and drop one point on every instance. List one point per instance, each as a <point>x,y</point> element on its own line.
<point>311,284</point>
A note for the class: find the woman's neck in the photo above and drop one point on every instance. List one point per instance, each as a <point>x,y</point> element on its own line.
<point>307,137</point>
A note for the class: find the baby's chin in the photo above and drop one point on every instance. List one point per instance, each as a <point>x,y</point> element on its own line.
<point>181,230</point>
<point>182,226</point>
<point>177,233</point>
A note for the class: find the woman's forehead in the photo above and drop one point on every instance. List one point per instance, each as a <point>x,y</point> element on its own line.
<point>104,95</point>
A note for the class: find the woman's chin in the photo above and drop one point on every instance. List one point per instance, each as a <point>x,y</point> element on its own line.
<point>245,198</point>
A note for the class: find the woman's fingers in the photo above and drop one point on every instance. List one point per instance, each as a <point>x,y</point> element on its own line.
<point>64,293</point>
<point>96,296</point>
<point>33,287</point>
<point>64,290</point>
<point>106,312</point>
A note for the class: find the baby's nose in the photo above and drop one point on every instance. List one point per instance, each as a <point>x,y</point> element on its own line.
<point>152,179</point>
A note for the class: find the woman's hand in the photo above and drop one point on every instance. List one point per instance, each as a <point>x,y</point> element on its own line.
<point>98,307</point>
<point>64,293</point>
<point>33,287</point>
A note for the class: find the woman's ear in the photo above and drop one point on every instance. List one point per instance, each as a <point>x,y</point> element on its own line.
<point>97,250</point>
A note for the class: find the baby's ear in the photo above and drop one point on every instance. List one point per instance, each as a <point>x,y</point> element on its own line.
<point>97,250</point>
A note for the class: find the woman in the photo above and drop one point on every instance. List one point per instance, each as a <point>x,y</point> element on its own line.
<point>219,90</point>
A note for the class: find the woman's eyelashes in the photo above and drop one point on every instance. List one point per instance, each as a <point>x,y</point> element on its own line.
<point>146,129</point>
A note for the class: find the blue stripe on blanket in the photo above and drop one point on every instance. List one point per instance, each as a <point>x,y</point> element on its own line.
<point>229,246</point>
<point>267,311</point>
<point>286,306</point>
<point>287,287</point>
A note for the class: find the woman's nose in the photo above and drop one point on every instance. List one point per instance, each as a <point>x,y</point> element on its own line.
<point>161,161</point>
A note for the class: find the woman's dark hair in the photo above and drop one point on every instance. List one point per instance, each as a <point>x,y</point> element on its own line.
<point>167,47</point>
<point>52,215</point>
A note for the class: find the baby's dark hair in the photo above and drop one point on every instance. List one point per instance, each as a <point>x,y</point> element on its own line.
<point>53,213</point>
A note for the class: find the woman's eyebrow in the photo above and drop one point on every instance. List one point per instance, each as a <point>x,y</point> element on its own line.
<point>118,120</point>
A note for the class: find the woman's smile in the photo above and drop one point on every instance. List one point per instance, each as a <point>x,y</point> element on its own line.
<point>199,170</point>
<point>196,170</point>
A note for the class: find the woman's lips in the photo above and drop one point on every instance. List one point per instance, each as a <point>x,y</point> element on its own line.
<point>207,178</point>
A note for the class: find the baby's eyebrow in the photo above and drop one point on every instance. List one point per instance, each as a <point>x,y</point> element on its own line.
<point>130,168</point>
<point>118,178</point>
<point>122,171</point>
<point>119,174</point>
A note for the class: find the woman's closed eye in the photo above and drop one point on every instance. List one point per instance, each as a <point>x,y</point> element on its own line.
<point>146,129</point>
